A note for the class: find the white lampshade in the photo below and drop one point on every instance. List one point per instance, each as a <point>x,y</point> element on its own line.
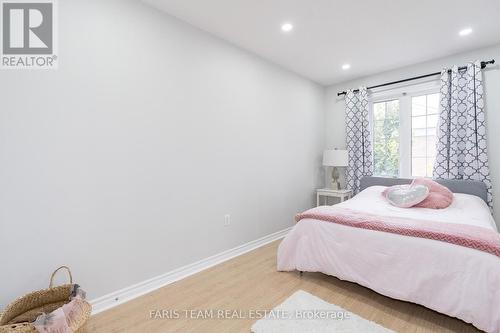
<point>335,157</point>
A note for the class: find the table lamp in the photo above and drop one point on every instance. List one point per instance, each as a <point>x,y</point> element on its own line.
<point>335,158</point>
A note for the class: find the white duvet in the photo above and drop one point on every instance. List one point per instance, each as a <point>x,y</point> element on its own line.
<point>455,280</point>
<point>465,209</point>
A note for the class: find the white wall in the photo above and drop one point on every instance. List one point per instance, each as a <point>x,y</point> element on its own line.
<point>335,128</point>
<point>123,162</point>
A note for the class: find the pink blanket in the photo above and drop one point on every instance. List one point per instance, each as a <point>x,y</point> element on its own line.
<point>473,237</point>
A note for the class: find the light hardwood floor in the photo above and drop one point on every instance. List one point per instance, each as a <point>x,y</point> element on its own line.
<point>251,282</point>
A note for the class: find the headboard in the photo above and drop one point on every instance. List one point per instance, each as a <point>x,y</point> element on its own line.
<point>473,187</point>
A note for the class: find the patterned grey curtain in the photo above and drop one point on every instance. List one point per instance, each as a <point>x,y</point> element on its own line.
<point>461,146</point>
<point>359,140</point>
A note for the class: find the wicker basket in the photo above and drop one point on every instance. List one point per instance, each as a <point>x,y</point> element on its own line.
<point>18,315</point>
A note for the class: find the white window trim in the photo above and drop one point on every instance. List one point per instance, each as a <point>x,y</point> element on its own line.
<point>404,94</point>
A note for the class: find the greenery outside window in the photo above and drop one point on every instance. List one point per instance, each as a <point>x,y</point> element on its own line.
<point>404,123</point>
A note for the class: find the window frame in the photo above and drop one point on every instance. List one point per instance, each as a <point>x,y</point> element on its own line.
<point>404,94</point>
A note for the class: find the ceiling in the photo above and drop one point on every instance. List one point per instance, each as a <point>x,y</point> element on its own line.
<point>371,36</point>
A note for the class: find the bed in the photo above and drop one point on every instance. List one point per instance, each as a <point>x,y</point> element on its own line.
<point>456,280</point>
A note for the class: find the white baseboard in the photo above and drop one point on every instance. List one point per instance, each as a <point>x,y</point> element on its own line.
<point>126,294</point>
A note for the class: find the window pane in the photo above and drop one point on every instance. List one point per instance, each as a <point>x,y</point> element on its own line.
<point>418,122</point>
<point>431,146</point>
<point>419,146</point>
<point>425,110</point>
<point>418,166</point>
<point>432,120</point>
<point>433,104</point>
<point>418,106</point>
<point>419,132</point>
<point>378,110</point>
<point>386,138</point>
<point>392,110</point>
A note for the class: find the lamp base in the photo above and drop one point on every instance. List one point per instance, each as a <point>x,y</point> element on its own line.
<point>335,179</point>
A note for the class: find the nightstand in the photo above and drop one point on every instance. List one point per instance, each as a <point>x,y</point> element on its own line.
<point>326,192</point>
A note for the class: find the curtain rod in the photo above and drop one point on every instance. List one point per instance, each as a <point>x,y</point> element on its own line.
<point>483,65</point>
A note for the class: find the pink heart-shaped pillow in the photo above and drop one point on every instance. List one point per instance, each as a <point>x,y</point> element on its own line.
<point>439,196</point>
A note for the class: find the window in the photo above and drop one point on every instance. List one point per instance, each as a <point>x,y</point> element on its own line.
<point>386,138</point>
<point>424,119</point>
<point>404,131</point>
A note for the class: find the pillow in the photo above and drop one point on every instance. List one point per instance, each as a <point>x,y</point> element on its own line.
<point>406,196</point>
<point>439,196</point>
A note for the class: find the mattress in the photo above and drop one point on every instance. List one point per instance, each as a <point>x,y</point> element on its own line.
<point>451,279</point>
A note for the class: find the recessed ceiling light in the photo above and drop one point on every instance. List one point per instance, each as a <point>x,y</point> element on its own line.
<point>465,32</point>
<point>286,27</point>
<point>346,66</point>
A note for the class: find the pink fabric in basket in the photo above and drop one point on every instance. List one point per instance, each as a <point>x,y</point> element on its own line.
<point>439,196</point>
